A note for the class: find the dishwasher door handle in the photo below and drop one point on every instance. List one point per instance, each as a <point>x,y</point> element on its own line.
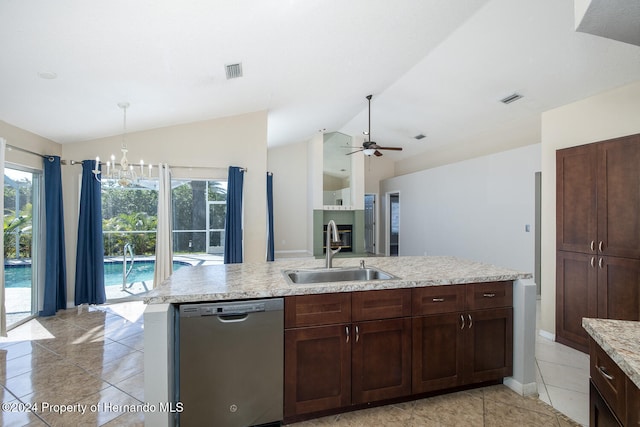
<point>232,318</point>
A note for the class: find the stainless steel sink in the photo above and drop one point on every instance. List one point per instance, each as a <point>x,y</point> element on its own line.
<point>336,275</point>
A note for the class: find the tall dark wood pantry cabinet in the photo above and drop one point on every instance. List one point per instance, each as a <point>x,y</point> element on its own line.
<point>597,235</point>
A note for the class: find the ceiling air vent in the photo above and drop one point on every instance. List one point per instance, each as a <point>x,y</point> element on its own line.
<point>233,70</point>
<point>511,98</point>
<point>419,136</point>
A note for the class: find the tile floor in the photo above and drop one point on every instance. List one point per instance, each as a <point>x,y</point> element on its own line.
<point>95,357</point>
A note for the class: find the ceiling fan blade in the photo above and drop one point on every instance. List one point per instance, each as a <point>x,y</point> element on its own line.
<point>377,153</point>
<point>390,148</point>
<point>353,152</point>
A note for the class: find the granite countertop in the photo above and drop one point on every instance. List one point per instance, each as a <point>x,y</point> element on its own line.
<point>620,339</point>
<point>264,280</point>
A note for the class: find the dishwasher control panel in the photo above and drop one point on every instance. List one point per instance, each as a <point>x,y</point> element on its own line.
<point>233,307</point>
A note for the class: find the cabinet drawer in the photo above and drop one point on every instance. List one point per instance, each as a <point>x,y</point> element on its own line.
<point>608,379</point>
<point>384,304</point>
<point>313,310</point>
<point>489,295</point>
<point>437,299</point>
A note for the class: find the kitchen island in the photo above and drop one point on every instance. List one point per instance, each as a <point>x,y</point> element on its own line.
<point>265,280</point>
<point>614,353</point>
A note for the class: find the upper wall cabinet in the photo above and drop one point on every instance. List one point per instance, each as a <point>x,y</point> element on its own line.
<point>598,198</point>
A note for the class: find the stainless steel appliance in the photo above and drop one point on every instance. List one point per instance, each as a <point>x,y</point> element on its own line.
<point>230,363</point>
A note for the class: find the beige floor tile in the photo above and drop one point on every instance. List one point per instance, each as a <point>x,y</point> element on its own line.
<point>58,382</point>
<point>562,376</point>
<point>128,419</point>
<point>99,409</point>
<point>93,355</point>
<point>573,404</point>
<point>461,408</point>
<point>122,329</point>
<point>120,369</point>
<point>134,386</point>
<point>503,414</point>
<point>36,357</point>
<point>134,341</point>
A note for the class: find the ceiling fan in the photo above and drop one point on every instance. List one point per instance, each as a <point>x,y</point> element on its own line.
<point>370,148</point>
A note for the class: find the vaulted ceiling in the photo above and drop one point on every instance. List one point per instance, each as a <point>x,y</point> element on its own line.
<point>435,67</point>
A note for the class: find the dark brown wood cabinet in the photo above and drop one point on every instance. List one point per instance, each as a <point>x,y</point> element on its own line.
<point>597,235</point>
<point>364,356</point>
<point>350,349</point>
<point>576,297</point>
<point>381,360</point>
<point>462,347</point>
<point>614,400</point>
<point>317,369</point>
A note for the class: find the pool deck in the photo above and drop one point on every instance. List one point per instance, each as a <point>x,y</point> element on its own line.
<point>18,300</point>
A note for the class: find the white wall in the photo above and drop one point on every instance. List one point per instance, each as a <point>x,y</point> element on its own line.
<point>604,116</point>
<point>290,192</point>
<point>474,209</point>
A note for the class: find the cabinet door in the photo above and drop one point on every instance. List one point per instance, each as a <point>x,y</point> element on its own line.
<point>576,297</point>
<point>488,344</point>
<point>600,415</point>
<point>619,197</point>
<point>619,288</point>
<point>381,360</point>
<point>576,199</point>
<point>633,404</point>
<point>437,352</point>
<point>317,369</point>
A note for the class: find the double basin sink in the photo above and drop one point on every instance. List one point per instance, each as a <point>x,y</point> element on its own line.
<point>347,274</point>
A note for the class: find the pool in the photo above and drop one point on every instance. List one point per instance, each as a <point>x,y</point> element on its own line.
<point>19,276</point>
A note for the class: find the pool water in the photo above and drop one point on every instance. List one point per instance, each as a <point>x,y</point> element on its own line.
<point>19,276</point>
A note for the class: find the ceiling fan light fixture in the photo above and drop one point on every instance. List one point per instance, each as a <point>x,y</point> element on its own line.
<point>369,151</point>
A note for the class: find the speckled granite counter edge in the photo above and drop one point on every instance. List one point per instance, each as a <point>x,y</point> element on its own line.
<point>265,280</point>
<point>620,339</point>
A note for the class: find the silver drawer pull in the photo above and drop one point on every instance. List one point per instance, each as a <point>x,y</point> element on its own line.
<point>470,321</point>
<point>462,320</point>
<point>438,300</point>
<point>601,246</point>
<point>357,334</point>
<point>603,371</point>
<point>346,328</point>
<point>593,245</point>
<point>488,295</point>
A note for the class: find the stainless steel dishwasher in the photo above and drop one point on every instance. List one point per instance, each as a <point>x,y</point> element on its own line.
<point>230,363</point>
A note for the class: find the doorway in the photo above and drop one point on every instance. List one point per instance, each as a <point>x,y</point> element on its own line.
<point>394,224</point>
<point>22,189</point>
<point>370,223</point>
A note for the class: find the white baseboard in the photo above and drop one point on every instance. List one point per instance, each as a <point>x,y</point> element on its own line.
<point>530,389</point>
<point>547,335</point>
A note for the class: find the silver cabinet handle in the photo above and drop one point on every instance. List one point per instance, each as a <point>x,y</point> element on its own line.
<point>593,245</point>
<point>488,295</point>
<point>604,373</point>
<point>601,262</point>
<point>346,328</point>
<point>462,320</point>
<point>470,321</point>
<point>357,334</point>
<point>438,300</point>
<point>593,261</point>
<point>600,245</point>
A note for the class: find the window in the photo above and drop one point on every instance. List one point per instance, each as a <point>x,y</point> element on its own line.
<point>199,209</point>
<point>129,225</point>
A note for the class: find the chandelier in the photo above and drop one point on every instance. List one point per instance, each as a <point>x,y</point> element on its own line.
<point>122,174</point>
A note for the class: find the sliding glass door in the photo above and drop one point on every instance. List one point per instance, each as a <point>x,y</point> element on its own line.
<point>21,211</point>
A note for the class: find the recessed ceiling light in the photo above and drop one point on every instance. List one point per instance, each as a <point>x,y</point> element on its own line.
<point>48,75</point>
